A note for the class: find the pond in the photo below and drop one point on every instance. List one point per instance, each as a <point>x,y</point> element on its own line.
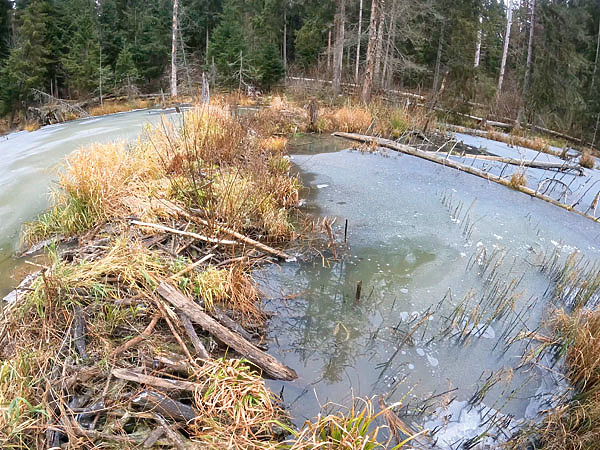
<point>450,272</point>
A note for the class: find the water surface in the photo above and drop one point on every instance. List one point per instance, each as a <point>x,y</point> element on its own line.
<point>424,240</point>
<point>28,165</point>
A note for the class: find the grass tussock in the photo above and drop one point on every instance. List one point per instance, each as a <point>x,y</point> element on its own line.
<point>356,428</point>
<point>235,408</point>
<point>575,424</point>
<point>98,183</point>
<point>587,160</point>
<point>113,107</point>
<point>31,126</point>
<point>515,139</point>
<point>518,180</point>
<point>213,163</point>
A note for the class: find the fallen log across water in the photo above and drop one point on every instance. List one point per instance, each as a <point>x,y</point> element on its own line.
<point>562,167</point>
<point>271,366</point>
<point>433,157</point>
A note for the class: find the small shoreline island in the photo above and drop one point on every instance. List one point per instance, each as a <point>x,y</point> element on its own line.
<point>327,224</point>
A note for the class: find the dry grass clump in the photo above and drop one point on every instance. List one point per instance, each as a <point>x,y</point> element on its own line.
<point>212,162</point>
<point>279,118</point>
<point>32,126</point>
<point>587,160</point>
<point>518,179</point>
<point>354,429</point>
<point>274,144</point>
<point>575,425</point>
<point>98,183</point>
<point>352,119</point>
<point>537,143</point>
<point>246,200</point>
<point>235,408</point>
<point>112,107</point>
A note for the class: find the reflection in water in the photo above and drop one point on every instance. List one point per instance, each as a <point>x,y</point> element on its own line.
<point>328,319</point>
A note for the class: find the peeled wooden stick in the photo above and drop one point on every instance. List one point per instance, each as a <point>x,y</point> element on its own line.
<point>271,366</point>
<point>165,383</point>
<point>533,164</point>
<point>192,266</point>
<point>251,242</point>
<point>200,237</point>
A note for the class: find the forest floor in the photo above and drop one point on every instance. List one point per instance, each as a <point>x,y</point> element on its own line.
<point>132,328</point>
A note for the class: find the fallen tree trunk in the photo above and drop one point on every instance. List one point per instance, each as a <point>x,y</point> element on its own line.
<point>484,134</point>
<point>387,143</point>
<point>268,363</point>
<point>515,162</point>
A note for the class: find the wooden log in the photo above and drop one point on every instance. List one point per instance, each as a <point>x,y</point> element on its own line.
<point>189,329</point>
<point>271,366</point>
<point>455,165</point>
<point>173,409</point>
<point>164,383</point>
<point>524,163</point>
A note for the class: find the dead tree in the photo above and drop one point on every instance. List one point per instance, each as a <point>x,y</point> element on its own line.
<point>174,51</point>
<point>339,45</point>
<point>370,62</point>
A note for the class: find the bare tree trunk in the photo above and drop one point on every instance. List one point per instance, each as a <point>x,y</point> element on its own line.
<point>389,51</point>
<point>174,51</point>
<point>206,54</point>
<point>505,49</point>
<point>529,64</point>
<point>379,50</point>
<point>478,45</point>
<point>358,44</point>
<point>438,60</point>
<point>329,52</point>
<point>185,64</point>
<point>595,61</point>
<point>284,40</point>
<point>338,57</point>
<point>370,62</point>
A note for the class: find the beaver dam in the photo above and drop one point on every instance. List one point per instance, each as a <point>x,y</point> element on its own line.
<point>216,285</point>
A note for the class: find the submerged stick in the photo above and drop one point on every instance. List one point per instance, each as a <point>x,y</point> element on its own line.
<point>270,365</point>
<point>387,143</point>
<point>358,291</point>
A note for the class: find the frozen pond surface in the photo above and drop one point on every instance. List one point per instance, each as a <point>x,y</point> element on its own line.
<point>438,252</point>
<point>28,163</point>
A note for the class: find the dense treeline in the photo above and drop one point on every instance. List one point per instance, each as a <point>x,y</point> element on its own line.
<point>85,48</point>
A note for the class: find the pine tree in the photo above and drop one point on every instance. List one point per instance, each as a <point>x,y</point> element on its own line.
<point>228,43</point>
<point>26,67</point>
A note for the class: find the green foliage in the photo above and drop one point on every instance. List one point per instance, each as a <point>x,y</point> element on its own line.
<point>27,65</point>
<point>228,44</point>
<point>81,60</point>
<point>309,40</point>
<point>125,71</point>
<point>269,66</point>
